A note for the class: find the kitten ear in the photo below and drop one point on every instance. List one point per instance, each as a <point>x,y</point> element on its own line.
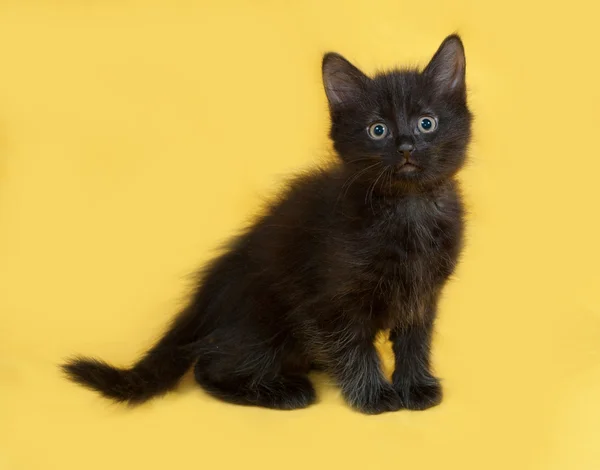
<point>343,82</point>
<point>446,70</point>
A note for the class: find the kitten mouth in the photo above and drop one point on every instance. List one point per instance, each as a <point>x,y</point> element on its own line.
<point>407,167</point>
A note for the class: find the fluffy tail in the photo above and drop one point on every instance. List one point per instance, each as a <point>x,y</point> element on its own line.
<point>155,374</point>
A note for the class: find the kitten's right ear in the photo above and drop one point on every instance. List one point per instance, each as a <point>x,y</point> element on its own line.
<point>343,82</point>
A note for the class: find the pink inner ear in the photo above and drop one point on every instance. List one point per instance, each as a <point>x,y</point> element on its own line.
<point>448,65</point>
<point>339,87</point>
<point>459,65</point>
<point>451,68</point>
<point>343,81</point>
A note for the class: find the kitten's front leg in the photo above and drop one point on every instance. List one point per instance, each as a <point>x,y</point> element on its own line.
<point>417,387</point>
<point>356,367</point>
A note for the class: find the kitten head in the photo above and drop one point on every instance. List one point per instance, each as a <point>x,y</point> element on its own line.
<point>415,125</point>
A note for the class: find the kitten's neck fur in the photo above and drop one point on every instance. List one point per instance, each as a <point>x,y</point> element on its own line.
<point>353,186</point>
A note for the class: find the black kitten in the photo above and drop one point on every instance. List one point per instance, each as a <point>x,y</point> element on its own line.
<point>360,247</point>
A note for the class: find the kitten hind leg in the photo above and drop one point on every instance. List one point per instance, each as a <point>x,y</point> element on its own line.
<point>256,373</point>
<point>282,392</point>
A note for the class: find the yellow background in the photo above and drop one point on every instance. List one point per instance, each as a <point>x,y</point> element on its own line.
<point>136,136</point>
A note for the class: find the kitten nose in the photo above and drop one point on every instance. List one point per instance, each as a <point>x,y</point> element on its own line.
<point>405,148</point>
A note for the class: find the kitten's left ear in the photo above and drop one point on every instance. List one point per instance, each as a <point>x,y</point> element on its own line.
<point>446,70</point>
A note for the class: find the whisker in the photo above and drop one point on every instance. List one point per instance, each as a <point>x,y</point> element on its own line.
<point>372,189</point>
<point>362,159</point>
<point>352,179</point>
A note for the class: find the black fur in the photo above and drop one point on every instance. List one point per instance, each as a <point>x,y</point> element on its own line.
<point>362,246</point>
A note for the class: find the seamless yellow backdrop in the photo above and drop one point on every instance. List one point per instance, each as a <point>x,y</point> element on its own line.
<point>135,137</point>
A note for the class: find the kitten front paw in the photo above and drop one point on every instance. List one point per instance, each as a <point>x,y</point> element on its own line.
<point>420,396</point>
<point>374,402</point>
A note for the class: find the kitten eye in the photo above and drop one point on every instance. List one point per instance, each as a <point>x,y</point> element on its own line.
<point>427,124</point>
<point>378,131</point>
